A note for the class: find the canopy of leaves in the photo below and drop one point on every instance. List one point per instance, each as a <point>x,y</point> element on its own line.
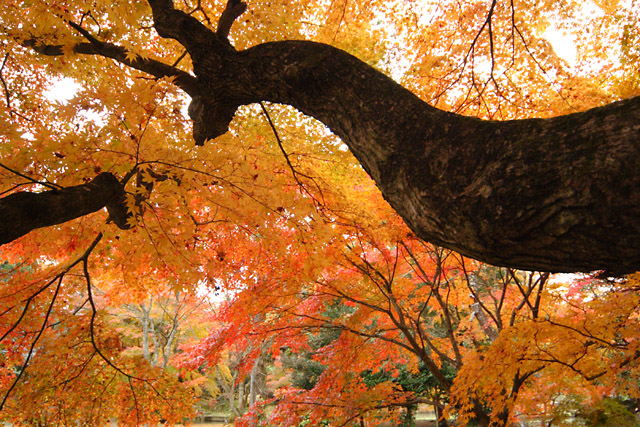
<point>279,216</point>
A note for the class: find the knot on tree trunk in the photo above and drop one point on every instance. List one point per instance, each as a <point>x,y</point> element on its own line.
<point>211,118</point>
<point>117,204</point>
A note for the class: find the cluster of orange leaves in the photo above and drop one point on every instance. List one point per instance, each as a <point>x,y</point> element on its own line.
<point>287,245</point>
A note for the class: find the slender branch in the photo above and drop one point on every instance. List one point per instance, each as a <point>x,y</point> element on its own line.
<point>525,294</point>
<point>94,312</point>
<point>342,14</point>
<point>400,323</point>
<point>340,294</point>
<point>35,181</point>
<point>540,282</point>
<point>443,305</point>
<point>59,277</point>
<point>231,12</point>
<point>26,306</point>
<point>156,68</point>
<point>506,280</point>
<point>4,84</point>
<point>135,399</point>
<point>180,58</point>
<point>33,344</point>
<point>15,187</point>
<point>587,335</point>
<point>470,54</point>
<point>295,173</point>
<point>79,372</point>
<point>477,298</point>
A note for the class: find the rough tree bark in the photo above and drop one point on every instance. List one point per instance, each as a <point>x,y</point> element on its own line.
<point>23,211</point>
<point>559,194</point>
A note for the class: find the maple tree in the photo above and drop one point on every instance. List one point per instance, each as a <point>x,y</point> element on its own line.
<point>161,320</point>
<point>417,324</point>
<point>71,364</point>
<point>517,202</point>
<point>281,215</point>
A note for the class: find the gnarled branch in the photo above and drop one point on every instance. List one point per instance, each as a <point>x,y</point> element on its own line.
<point>25,211</point>
<point>559,194</point>
<point>231,12</point>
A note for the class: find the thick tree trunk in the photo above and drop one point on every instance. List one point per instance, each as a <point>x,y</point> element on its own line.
<point>24,211</point>
<point>559,194</point>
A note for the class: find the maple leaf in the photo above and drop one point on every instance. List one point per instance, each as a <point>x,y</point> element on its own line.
<point>317,273</point>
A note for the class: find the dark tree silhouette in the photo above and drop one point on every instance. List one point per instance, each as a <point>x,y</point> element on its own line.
<point>558,194</point>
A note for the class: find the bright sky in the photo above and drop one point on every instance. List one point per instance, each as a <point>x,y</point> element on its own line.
<point>62,90</point>
<point>562,44</point>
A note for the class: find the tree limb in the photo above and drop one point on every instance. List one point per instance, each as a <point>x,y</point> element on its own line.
<point>183,80</point>
<point>25,211</point>
<point>559,194</point>
<point>231,12</point>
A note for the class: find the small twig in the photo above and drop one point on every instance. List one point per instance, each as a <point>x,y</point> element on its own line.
<point>80,371</point>
<point>177,61</point>
<point>135,399</point>
<point>35,181</point>
<point>344,10</point>
<point>530,53</point>
<point>144,130</point>
<point>199,8</point>
<point>16,186</point>
<point>4,84</point>
<point>90,15</point>
<point>26,306</point>
<point>295,173</point>
<point>470,54</point>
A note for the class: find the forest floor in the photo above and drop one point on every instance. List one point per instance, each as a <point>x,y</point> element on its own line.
<point>420,423</point>
<point>425,419</point>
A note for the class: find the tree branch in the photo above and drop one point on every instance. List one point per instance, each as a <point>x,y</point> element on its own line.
<point>231,12</point>
<point>183,80</point>
<point>33,344</point>
<point>4,84</point>
<point>178,25</point>
<point>23,212</point>
<point>43,183</point>
<point>559,194</point>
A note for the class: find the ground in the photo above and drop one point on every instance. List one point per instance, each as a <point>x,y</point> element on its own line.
<point>418,424</point>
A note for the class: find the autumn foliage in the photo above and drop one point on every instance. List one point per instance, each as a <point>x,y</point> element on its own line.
<point>265,269</point>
